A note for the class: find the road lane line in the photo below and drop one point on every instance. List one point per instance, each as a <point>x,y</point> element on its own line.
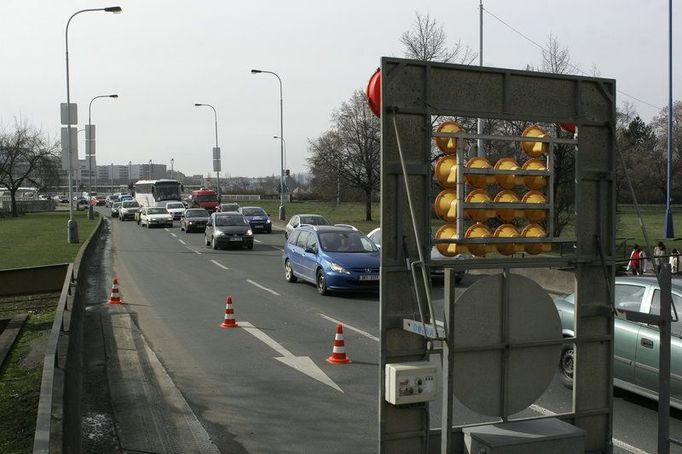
<point>621,444</point>
<point>167,230</point>
<point>219,264</point>
<point>182,242</point>
<point>262,287</point>
<point>352,328</point>
<point>278,248</point>
<point>257,241</point>
<point>174,235</point>
<point>193,250</point>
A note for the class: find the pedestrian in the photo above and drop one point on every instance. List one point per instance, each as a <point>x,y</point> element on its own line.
<point>675,262</point>
<point>660,255</point>
<point>643,261</point>
<point>633,264</point>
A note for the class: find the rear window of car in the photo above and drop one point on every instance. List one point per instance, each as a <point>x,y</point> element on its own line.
<point>230,221</point>
<point>157,211</point>
<point>314,220</point>
<point>196,213</point>
<point>130,204</point>
<point>175,205</point>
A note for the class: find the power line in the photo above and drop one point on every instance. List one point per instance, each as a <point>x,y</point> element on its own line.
<point>541,47</point>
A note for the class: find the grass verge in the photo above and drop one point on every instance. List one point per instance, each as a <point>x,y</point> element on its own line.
<point>41,238</point>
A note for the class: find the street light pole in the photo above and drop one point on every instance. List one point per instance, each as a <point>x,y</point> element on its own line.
<point>282,215</point>
<point>217,169</point>
<point>112,177</point>
<point>172,162</point>
<point>89,140</point>
<point>130,172</point>
<point>150,169</point>
<point>72,227</point>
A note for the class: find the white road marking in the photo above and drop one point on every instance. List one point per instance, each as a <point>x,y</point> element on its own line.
<point>219,264</point>
<point>182,242</point>
<point>621,444</point>
<point>257,241</point>
<point>302,364</point>
<point>193,250</point>
<point>174,235</point>
<point>352,328</point>
<point>262,287</point>
<point>167,230</point>
<point>278,248</point>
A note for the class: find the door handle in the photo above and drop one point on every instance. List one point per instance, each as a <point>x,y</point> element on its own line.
<point>648,343</point>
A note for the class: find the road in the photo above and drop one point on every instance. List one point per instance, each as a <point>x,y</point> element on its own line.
<point>267,384</point>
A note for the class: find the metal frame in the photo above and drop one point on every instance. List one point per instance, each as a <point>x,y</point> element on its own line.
<point>412,92</point>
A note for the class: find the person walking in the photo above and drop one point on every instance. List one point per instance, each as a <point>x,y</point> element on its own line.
<point>633,264</point>
<point>660,255</point>
<point>643,261</point>
<point>674,262</point>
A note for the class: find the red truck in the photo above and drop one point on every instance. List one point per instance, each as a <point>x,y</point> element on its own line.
<point>204,198</point>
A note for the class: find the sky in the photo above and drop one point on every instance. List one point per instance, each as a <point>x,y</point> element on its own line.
<point>163,56</point>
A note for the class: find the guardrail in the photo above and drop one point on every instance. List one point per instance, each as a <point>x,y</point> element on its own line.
<point>30,281</point>
<point>58,425</point>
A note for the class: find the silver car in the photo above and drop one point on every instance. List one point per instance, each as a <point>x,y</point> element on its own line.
<point>636,345</point>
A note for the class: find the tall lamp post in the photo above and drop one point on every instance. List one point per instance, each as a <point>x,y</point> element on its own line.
<point>669,228</point>
<point>216,150</point>
<point>150,169</point>
<point>72,227</point>
<point>281,142</point>
<point>172,174</point>
<point>130,172</point>
<point>90,151</point>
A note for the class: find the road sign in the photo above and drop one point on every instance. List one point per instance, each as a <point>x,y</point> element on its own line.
<point>72,113</point>
<point>74,149</point>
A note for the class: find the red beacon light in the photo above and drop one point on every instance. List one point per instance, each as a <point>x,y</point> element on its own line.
<point>373,93</point>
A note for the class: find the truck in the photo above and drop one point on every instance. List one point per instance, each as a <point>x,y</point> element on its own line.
<point>204,198</point>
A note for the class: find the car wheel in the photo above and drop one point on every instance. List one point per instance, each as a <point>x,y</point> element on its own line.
<point>321,283</point>
<point>269,230</point>
<point>289,272</point>
<point>566,364</point>
<point>214,245</point>
<point>458,279</point>
<point>250,247</point>
<point>206,240</point>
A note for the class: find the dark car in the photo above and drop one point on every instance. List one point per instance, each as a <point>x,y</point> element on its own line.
<point>310,219</point>
<point>115,206</point>
<point>258,218</point>
<point>332,258</point>
<point>636,345</point>
<point>194,219</point>
<point>228,229</point>
<point>227,207</point>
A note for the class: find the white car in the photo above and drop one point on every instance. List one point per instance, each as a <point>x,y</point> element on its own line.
<point>128,210</point>
<point>150,216</point>
<point>175,209</point>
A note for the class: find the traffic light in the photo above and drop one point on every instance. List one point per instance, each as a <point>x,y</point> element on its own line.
<point>519,201</point>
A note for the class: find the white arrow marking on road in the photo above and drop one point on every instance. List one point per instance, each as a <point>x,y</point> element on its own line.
<point>219,264</point>
<point>262,287</point>
<point>302,364</point>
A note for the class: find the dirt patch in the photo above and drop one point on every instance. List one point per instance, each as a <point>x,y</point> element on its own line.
<point>36,353</point>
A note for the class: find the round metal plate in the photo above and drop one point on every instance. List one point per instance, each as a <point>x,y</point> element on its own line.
<point>478,323</point>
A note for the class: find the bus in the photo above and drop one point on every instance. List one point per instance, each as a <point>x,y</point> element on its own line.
<point>150,193</point>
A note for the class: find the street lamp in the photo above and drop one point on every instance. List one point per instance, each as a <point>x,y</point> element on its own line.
<point>72,227</point>
<point>216,150</point>
<point>130,172</point>
<point>89,152</point>
<point>172,162</point>
<point>281,142</point>
<point>112,177</point>
<point>150,169</point>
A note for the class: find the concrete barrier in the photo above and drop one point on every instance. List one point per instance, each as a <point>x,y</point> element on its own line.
<point>34,280</point>
<point>58,426</point>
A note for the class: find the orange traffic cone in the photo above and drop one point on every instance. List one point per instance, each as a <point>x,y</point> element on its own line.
<point>339,351</point>
<point>114,298</point>
<point>228,321</point>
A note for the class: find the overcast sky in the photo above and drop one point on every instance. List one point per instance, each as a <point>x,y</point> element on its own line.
<point>161,57</point>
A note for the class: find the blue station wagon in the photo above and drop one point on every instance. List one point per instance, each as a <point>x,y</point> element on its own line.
<point>332,258</point>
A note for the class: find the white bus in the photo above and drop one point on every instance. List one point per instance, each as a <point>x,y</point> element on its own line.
<point>150,193</point>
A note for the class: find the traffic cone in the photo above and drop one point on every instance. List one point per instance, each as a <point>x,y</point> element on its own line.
<point>228,321</point>
<point>339,351</point>
<point>114,298</point>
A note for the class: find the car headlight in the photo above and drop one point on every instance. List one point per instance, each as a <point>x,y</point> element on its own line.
<point>249,233</point>
<point>338,268</point>
<point>268,221</point>
<point>219,233</point>
<point>190,222</point>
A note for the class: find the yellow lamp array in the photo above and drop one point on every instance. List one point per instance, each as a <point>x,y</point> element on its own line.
<point>445,204</point>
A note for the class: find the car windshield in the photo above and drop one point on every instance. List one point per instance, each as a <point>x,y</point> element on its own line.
<point>253,212</point>
<point>116,204</point>
<point>349,241</point>
<point>157,211</point>
<point>230,220</point>
<point>172,206</point>
<point>314,220</point>
<point>130,204</point>
<point>196,213</point>
<point>207,198</point>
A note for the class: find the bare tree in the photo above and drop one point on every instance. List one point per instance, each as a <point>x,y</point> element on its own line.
<point>350,150</point>
<point>26,156</point>
<point>427,41</point>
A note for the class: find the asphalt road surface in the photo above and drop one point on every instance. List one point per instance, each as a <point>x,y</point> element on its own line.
<point>266,386</point>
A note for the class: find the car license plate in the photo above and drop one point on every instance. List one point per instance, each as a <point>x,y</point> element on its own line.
<point>369,277</point>
<point>235,238</point>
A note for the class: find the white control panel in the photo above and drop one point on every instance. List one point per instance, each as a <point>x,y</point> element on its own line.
<point>407,383</point>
